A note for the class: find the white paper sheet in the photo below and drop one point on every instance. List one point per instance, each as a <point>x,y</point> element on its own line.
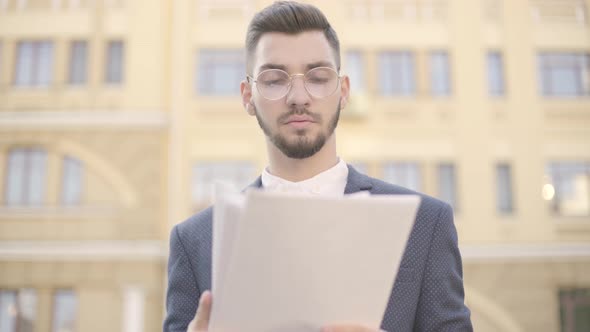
<point>229,204</point>
<point>296,263</point>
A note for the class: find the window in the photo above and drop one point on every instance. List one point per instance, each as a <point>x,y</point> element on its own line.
<point>65,307</point>
<point>18,309</point>
<point>440,81</point>
<point>574,309</point>
<point>504,200</point>
<point>355,69</point>
<point>564,74</point>
<point>568,188</point>
<point>447,184</point>
<point>78,62</point>
<point>205,174</point>
<point>397,74</point>
<point>220,72</point>
<point>34,63</point>
<point>495,74</point>
<point>72,176</point>
<point>115,64</point>
<point>25,178</point>
<point>405,174</point>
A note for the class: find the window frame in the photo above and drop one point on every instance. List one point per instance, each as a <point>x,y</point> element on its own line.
<point>508,185</point>
<point>494,91</point>
<point>558,180</point>
<point>358,76</point>
<point>25,198</point>
<point>34,79</point>
<point>198,196</point>
<point>208,63</point>
<point>72,67</point>
<point>18,316</point>
<point>405,168</point>
<point>112,78</point>
<point>445,70</point>
<point>549,61</point>
<point>405,89</point>
<point>54,308</point>
<point>65,188</point>
<point>569,299</point>
<point>453,200</point>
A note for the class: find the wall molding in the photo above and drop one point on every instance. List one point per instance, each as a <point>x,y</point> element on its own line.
<point>528,252</point>
<point>83,251</point>
<point>142,119</point>
<point>158,251</point>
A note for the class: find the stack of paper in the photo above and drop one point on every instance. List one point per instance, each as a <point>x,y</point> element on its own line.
<point>295,263</point>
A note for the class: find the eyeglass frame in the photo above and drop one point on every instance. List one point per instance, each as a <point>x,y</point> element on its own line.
<point>251,79</point>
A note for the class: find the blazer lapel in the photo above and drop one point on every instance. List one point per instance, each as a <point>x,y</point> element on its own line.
<point>356,182</point>
<point>256,184</point>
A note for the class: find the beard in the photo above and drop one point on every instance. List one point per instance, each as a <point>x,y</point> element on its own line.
<point>302,147</point>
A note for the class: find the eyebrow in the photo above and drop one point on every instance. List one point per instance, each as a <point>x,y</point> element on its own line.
<point>319,64</point>
<point>310,66</point>
<point>272,66</point>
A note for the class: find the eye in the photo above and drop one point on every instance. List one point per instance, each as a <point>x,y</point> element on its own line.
<point>275,82</point>
<point>320,76</point>
<point>318,80</point>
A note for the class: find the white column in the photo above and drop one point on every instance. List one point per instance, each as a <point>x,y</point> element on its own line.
<point>21,4</point>
<point>133,309</point>
<point>3,4</point>
<point>56,5</point>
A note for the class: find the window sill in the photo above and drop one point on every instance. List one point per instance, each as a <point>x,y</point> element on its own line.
<point>567,110</point>
<point>507,218</point>
<point>572,224</point>
<point>30,88</point>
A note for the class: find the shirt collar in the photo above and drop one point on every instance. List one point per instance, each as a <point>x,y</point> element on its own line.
<point>330,182</point>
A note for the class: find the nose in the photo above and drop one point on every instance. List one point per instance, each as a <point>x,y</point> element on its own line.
<point>298,95</point>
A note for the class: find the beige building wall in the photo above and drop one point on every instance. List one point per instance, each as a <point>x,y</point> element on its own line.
<point>110,247</point>
<point>140,140</point>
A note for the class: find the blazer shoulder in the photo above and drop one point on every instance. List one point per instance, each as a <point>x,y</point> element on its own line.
<point>199,223</point>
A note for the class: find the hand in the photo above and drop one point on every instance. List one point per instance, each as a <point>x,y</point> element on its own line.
<point>348,328</point>
<point>201,321</point>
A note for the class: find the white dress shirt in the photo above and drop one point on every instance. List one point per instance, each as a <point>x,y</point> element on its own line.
<point>330,182</point>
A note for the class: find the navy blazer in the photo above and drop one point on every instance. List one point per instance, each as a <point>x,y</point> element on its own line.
<point>427,294</point>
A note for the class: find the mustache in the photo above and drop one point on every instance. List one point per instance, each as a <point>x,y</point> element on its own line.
<point>299,110</point>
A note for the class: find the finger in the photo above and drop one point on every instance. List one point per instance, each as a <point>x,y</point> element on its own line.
<point>201,321</point>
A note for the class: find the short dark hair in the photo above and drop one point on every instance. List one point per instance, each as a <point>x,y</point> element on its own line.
<point>292,18</point>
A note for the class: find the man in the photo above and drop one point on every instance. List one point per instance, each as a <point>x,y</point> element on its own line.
<point>294,90</point>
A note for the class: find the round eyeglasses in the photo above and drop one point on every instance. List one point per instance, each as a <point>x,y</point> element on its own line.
<point>274,84</point>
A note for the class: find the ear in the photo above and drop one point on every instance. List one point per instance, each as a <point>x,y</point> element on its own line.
<point>344,91</point>
<point>246,92</point>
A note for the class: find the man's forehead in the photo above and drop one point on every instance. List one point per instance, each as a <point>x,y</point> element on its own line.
<point>293,52</point>
<point>297,66</point>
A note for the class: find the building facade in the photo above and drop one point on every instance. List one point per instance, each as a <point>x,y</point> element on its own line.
<point>117,115</point>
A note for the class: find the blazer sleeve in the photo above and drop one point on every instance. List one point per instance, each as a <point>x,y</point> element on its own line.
<point>183,293</point>
<point>441,306</point>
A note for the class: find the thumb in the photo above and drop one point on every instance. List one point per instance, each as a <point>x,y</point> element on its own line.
<point>201,320</point>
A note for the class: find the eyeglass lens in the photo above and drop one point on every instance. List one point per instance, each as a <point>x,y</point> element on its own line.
<point>319,82</point>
